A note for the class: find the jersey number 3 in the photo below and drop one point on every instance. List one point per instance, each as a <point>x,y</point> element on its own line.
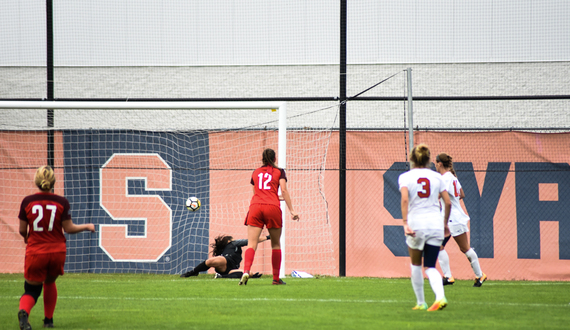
<point>264,184</point>
<point>425,191</point>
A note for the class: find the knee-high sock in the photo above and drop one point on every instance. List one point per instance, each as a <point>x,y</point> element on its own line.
<point>472,256</point>
<point>201,267</point>
<point>418,284</point>
<point>50,299</point>
<point>30,296</point>
<point>443,259</point>
<point>27,302</point>
<point>276,263</point>
<point>248,260</point>
<point>436,284</point>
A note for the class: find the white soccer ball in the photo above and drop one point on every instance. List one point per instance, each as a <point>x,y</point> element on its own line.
<point>193,204</point>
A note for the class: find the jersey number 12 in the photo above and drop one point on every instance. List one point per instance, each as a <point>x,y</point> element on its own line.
<point>264,185</point>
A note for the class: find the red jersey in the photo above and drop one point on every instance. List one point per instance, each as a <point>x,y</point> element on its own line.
<point>266,182</point>
<point>44,213</point>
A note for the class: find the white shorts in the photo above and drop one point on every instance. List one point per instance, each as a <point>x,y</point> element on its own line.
<point>425,236</point>
<point>457,229</point>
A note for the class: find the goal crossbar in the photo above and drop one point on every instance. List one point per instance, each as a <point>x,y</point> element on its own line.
<point>138,105</point>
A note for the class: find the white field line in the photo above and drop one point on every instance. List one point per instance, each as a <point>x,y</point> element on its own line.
<point>186,281</point>
<point>293,300</point>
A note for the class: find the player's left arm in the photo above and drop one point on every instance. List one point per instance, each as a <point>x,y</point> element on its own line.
<point>287,198</point>
<point>72,228</point>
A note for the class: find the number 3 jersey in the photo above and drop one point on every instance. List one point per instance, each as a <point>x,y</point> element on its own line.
<point>424,186</point>
<point>453,187</point>
<point>265,181</point>
<point>44,213</point>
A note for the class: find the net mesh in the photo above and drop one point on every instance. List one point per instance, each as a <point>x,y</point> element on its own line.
<point>130,172</point>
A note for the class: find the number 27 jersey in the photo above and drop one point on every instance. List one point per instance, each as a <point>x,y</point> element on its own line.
<point>44,213</point>
<point>424,186</point>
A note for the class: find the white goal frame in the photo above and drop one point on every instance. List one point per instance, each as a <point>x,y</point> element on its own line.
<point>156,105</point>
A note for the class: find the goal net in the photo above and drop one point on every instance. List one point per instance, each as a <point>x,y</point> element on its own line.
<point>129,171</point>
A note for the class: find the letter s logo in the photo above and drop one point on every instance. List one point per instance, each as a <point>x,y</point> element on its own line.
<point>116,201</point>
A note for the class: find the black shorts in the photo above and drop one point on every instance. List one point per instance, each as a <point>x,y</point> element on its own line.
<point>230,265</point>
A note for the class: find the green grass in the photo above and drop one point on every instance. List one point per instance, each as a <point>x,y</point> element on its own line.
<point>145,301</point>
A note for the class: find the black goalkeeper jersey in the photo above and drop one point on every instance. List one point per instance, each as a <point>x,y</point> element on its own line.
<point>232,252</point>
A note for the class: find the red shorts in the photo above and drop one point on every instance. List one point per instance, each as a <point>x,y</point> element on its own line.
<point>264,214</point>
<point>38,267</point>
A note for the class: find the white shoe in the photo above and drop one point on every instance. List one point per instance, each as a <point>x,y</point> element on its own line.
<point>244,279</point>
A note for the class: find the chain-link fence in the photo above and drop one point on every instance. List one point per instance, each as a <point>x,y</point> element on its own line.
<point>490,87</point>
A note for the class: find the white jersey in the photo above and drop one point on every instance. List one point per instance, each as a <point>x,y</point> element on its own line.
<point>453,187</point>
<point>424,186</point>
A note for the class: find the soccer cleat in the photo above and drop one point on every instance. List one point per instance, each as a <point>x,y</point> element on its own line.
<point>188,274</point>
<point>479,281</point>
<point>438,305</point>
<point>244,279</point>
<point>448,280</point>
<point>23,318</point>
<point>420,307</point>
<point>218,275</point>
<point>280,282</point>
<point>48,323</point>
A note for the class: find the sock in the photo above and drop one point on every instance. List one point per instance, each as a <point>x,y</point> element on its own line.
<point>443,259</point>
<point>27,302</point>
<point>472,256</point>
<point>200,268</point>
<point>435,281</point>
<point>248,259</point>
<point>418,284</point>
<point>50,299</point>
<point>276,263</point>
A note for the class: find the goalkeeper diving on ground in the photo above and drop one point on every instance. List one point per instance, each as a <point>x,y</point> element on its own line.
<point>226,258</point>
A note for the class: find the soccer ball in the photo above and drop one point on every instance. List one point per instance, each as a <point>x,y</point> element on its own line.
<point>193,204</point>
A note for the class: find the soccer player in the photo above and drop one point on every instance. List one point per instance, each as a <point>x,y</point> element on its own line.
<point>420,190</point>
<point>43,217</point>
<point>226,257</point>
<point>265,210</point>
<point>457,223</point>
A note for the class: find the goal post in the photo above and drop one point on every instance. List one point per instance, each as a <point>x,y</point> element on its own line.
<point>146,158</point>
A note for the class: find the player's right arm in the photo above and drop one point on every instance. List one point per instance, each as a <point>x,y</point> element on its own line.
<point>72,228</point>
<point>404,203</point>
<point>24,230</point>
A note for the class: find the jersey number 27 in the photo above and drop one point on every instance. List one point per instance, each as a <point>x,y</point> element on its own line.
<point>39,210</point>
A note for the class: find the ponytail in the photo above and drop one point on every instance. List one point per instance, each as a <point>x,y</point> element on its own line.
<point>268,157</point>
<point>447,162</point>
<point>420,155</point>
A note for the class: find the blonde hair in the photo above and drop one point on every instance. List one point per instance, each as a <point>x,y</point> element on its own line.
<point>45,178</point>
<point>420,155</point>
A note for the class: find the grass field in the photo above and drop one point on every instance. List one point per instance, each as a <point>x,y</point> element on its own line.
<point>146,301</point>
